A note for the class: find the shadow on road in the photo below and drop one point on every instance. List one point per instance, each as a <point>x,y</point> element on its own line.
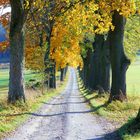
<point>55,114</point>
<point>109,136</point>
<point>65,103</point>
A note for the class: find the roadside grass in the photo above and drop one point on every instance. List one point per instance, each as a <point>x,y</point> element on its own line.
<point>11,116</point>
<point>122,113</point>
<point>116,111</point>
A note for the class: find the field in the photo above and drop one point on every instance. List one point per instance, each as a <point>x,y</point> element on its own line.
<point>4,78</point>
<point>133,78</point>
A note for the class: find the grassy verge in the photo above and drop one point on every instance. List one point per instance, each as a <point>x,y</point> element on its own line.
<point>11,116</point>
<point>122,113</point>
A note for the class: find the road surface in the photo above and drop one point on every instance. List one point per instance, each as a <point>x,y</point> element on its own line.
<point>66,117</point>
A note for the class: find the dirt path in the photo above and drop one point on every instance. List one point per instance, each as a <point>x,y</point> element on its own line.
<point>65,117</point>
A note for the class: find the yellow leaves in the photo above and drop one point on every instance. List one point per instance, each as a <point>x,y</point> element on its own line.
<point>65,49</point>
<point>127,8</point>
<point>38,3</point>
<point>88,16</point>
<point>26,4</point>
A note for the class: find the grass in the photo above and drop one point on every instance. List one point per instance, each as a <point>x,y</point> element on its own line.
<point>117,111</point>
<point>4,78</point>
<point>133,78</point>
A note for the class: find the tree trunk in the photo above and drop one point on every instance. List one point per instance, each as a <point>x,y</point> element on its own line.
<point>104,65</point>
<point>138,116</point>
<point>65,71</point>
<point>119,61</point>
<point>52,77</point>
<point>62,72</point>
<point>100,65</point>
<point>96,73</point>
<point>16,81</point>
<point>49,64</point>
<point>86,70</point>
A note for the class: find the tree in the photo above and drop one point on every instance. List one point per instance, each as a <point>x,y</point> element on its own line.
<point>119,61</point>
<point>17,33</point>
<point>47,13</point>
<point>100,65</point>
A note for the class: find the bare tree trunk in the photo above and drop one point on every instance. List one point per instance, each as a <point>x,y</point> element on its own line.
<point>86,70</point>
<point>100,65</point>
<point>62,72</point>
<point>119,61</point>
<point>52,79</point>
<point>49,64</point>
<point>16,82</point>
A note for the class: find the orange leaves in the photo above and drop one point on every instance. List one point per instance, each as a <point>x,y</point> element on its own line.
<point>34,53</point>
<point>57,51</point>
<point>34,57</point>
<point>4,21</point>
<point>4,2</point>
<point>4,45</point>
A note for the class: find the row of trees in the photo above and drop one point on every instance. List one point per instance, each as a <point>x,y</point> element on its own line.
<point>107,52</point>
<point>85,34</point>
<point>40,20</point>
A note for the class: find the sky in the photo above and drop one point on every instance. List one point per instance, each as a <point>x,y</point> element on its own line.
<point>4,10</point>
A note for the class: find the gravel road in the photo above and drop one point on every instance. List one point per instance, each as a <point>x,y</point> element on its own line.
<point>65,117</point>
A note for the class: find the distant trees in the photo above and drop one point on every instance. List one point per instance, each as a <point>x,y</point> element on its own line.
<point>96,70</point>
